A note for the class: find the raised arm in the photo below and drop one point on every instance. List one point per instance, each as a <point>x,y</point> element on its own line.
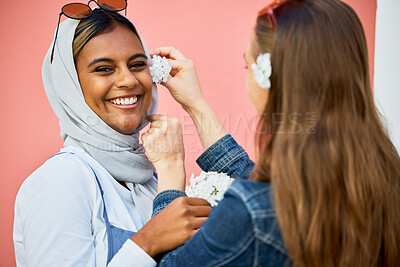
<point>185,88</point>
<point>222,153</point>
<point>164,147</point>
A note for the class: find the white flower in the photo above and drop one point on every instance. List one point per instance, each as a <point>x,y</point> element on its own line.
<point>160,69</point>
<point>209,185</point>
<point>262,70</point>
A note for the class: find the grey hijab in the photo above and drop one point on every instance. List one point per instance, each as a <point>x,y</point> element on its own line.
<point>121,155</point>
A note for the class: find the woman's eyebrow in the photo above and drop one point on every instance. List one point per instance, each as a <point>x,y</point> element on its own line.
<point>97,60</point>
<point>137,55</point>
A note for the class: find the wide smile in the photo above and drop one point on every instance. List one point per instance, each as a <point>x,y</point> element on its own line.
<point>125,102</point>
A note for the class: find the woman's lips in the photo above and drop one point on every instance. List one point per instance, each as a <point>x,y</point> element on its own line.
<point>125,102</point>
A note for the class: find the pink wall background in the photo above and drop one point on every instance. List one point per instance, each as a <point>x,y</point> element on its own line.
<point>212,33</point>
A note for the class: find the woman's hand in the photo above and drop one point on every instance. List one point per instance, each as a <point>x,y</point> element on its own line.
<point>184,84</point>
<point>185,88</point>
<point>163,143</point>
<point>175,224</point>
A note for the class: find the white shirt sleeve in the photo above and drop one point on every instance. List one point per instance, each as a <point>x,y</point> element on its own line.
<point>132,255</point>
<point>53,219</point>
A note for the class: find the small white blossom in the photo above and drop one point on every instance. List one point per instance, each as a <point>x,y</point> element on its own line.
<point>210,186</point>
<point>160,69</point>
<point>262,70</point>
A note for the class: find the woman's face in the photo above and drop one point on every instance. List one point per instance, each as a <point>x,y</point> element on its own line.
<point>115,78</point>
<point>257,95</point>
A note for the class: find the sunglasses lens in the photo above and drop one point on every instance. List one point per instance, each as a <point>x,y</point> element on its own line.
<point>112,5</point>
<point>77,11</point>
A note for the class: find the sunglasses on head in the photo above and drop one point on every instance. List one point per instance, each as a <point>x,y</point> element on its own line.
<point>81,11</point>
<point>271,10</point>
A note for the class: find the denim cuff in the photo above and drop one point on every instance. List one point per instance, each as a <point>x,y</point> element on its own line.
<point>164,198</point>
<point>220,154</point>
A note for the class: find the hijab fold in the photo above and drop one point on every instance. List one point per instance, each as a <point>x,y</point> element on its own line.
<point>121,155</point>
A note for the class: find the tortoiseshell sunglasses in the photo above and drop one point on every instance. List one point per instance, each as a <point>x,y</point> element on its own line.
<point>81,11</point>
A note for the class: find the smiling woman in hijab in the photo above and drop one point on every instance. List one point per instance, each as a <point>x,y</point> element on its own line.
<point>91,203</point>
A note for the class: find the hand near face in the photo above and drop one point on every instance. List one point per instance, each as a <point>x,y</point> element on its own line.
<point>175,224</point>
<point>163,143</point>
<point>184,84</point>
<point>185,88</point>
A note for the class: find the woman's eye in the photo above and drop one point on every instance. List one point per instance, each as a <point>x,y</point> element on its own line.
<point>103,69</point>
<point>138,64</point>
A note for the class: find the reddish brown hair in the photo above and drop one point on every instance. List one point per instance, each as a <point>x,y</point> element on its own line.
<point>334,171</point>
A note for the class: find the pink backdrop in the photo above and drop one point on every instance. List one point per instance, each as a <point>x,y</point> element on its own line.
<point>212,33</point>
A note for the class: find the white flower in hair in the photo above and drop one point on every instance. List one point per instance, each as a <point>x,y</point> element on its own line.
<point>210,186</point>
<point>262,70</point>
<point>160,69</point>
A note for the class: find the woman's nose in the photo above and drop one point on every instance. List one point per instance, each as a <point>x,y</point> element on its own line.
<point>126,78</point>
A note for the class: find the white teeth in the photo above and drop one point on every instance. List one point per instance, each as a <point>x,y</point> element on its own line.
<point>124,101</point>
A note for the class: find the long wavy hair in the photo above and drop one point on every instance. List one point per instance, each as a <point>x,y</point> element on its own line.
<point>335,173</point>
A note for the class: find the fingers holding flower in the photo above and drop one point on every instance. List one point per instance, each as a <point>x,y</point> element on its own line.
<point>183,84</point>
<point>169,52</point>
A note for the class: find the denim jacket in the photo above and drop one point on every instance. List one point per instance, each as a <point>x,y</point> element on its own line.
<point>242,230</point>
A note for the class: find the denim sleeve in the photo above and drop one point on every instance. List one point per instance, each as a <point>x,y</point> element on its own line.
<point>228,157</point>
<point>164,198</point>
<point>224,238</point>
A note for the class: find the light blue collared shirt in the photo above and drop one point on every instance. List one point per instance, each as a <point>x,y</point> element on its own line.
<point>59,215</point>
